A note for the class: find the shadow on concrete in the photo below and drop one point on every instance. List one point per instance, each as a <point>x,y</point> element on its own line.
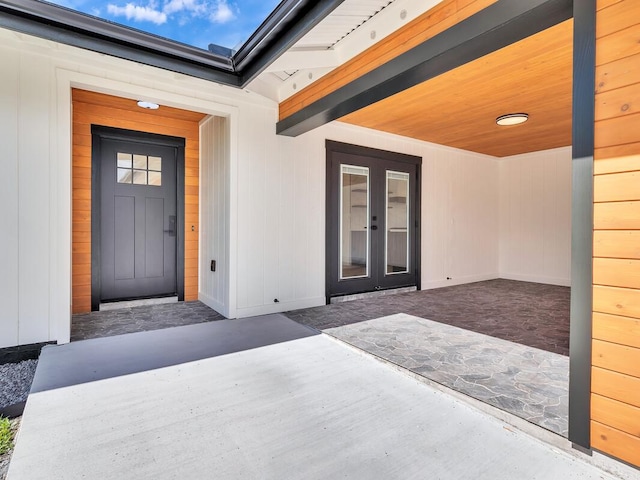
<point>98,359</point>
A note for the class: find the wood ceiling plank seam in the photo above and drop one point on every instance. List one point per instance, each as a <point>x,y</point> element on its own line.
<point>616,17</point>
<point>617,74</point>
<point>618,45</point>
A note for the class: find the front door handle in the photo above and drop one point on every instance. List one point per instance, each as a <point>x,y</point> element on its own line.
<point>172,226</point>
<point>374,227</point>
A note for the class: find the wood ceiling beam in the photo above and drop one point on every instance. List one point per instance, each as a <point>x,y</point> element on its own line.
<point>497,26</point>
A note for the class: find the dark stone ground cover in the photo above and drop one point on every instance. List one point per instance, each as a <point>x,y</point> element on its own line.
<point>531,314</point>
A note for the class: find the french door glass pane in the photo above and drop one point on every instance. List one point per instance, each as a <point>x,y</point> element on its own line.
<point>354,221</point>
<point>397,238</point>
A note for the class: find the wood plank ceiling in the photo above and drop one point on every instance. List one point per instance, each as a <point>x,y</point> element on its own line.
<point>459,108</point>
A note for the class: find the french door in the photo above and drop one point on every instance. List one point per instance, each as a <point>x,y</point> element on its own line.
<point>372,219</point>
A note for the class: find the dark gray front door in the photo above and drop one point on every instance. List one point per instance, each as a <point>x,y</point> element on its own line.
<point>138,219</point>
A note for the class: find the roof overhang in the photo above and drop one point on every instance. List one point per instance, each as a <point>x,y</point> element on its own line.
<point>498,25</point>
<point>291,20</point>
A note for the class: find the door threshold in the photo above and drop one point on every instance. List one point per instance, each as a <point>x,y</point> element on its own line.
<point>377,293</point>
<point>137,303</point>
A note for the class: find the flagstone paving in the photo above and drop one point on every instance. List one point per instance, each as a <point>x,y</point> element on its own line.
<point>524,381</point>
<point>528,313</point>
<point>140,319</point>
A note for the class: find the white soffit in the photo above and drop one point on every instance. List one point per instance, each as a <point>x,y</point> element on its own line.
<point>350,29</point>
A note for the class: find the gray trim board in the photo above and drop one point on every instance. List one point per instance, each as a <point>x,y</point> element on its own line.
<point>497,26</point>
<point>582,222</point>
<point>289,22</point>
<point>20,353</point>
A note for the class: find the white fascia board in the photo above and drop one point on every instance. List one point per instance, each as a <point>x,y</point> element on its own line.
<point>301,79</point>
<point>305,59</point>
<point>383,24</point>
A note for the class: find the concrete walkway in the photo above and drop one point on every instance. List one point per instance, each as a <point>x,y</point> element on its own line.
<point>307,407</point>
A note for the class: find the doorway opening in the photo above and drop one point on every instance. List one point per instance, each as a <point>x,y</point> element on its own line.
<point>92,109</point>
<point>137,216</point>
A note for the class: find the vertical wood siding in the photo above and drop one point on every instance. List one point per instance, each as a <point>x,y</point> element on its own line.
<point>98,109</point>
<point>615,407</point>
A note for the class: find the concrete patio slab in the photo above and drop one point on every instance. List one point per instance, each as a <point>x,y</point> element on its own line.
<point>305,408</point>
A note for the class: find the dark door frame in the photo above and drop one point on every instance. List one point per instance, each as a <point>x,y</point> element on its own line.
<point>98,133</point>
<point>331,223</point>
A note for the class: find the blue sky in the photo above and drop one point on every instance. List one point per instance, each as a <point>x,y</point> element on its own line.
<point>195,22</point>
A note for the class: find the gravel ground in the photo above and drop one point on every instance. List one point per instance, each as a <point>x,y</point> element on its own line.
<point>15,381</point>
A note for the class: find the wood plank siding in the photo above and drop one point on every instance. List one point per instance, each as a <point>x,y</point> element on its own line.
<point>429,24</point>
<point>98,109</point>
<point>615,399</point>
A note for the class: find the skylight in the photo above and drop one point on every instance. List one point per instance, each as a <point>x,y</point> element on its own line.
<point>198,23</point>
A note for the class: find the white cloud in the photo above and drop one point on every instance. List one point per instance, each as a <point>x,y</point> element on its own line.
<point>138,13</point>
<point>222,12</point>
<point>193,6</point>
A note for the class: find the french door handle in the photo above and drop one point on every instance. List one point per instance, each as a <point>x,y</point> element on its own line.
<point>172,226</point>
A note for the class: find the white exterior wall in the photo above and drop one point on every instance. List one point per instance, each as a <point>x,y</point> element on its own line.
<point>26,187</point>
<point>214,213</point>
<point>460,202</point>
<point>274,206</point>
<point>35,146</point>
<point>535,217</point>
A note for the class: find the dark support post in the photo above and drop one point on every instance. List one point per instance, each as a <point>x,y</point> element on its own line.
<point>584,17</point>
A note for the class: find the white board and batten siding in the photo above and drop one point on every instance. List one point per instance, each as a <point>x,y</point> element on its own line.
<point>535,217</point>
<point>263,196</point>
<point>215,177</point>
<point>26,248</point>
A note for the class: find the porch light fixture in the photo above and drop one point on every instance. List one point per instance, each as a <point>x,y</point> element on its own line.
<point>148,105</point>
<point>512,119</point>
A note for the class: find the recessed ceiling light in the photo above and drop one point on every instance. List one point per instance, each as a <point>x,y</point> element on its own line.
<point>512,119</point>
<point>148,105</point>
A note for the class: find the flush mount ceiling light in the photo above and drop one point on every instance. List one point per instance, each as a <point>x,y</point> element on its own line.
<point>512,119</point>
<point>148,105</point>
